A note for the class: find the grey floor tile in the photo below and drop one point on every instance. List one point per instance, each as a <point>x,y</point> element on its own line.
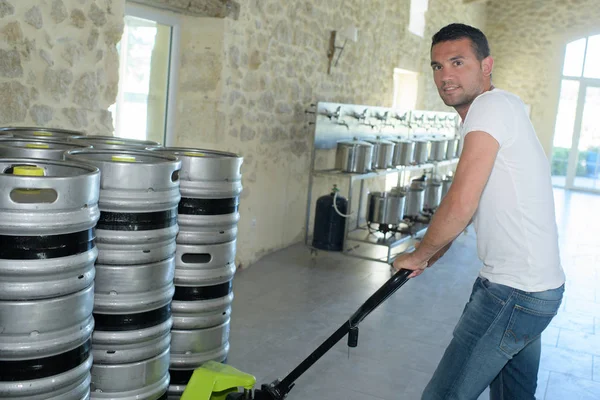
<point>566,387</point>
<point>583,307</point>
<point>542,384</point>
<point>579,341</point>
<point>550,336</point>
<point>573,321</point>
<point>567,362</point>
<point>596,376</point>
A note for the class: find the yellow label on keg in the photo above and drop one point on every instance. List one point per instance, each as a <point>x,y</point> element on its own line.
<point>192,154</point>
<point>37,146</point>
<point>123,158</point>
<point>114,142</point>
<point>40,133</point>
<point>28,170</point>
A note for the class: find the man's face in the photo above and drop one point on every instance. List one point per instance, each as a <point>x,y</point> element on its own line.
<point>459,76</point>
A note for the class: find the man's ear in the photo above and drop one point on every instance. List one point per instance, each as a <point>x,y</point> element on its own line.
<point>487,64</point>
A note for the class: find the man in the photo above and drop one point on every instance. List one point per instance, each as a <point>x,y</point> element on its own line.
<point>502,183</point>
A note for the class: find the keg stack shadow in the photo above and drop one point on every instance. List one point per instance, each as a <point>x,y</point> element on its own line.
<point>48,210</point>
<point>139,195</point>
<point>210,185</point>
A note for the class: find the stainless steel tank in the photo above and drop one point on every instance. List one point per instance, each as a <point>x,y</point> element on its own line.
<point>386,208</point>
<point>114,143</point>
<point>415,198</point>
<point>404,153</point>
<point>433,194</point>
<point>422,147</point>
<point>452,149</point>
<point>383,152</point>
<point>438,149</point>
<point>48,210</point>
<point>39,132</point>
<point>52,149</point>
<point>354,156</point>
<point>139,195</point>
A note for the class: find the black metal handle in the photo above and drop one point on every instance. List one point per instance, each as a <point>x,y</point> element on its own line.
<point>278,390</point>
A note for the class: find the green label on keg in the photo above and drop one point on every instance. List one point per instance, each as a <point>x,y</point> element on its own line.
<point>40,133</point>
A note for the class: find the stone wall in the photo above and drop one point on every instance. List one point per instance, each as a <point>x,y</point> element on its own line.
<point>58,63</point>
<point>528,41</point>
<point>273,65</point>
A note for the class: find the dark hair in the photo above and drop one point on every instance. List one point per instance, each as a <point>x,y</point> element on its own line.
<point>479,42</point>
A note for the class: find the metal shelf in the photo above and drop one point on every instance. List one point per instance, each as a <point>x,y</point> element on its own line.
<point>373,246</point>
<point>382,172</point>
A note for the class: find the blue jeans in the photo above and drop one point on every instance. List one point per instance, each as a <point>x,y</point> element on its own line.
<point>496,343</point>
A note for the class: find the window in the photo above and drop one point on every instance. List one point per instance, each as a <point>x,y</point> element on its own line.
<point>148,65</point>
<point>416,23</point>
<point>576,146</point>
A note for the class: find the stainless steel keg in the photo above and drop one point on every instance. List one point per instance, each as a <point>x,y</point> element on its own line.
<point>114,143</point>
<point>139,194</point>
<point>42,148</point>
<point>404,153</point>
<point>131,364</point>
<point>192,347</point>
<point>48,210</point>
<point>210,184</point>
<point>39,132</point>
<point>383,152</point>
<point>354,156</point>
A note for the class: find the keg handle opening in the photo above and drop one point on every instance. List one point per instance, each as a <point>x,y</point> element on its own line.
<point>33,196</point>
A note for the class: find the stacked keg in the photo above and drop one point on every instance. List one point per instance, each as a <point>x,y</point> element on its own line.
<point>48,210</point>
<point>139,194</point>
<point>52,149</point>
<point>205,260</point>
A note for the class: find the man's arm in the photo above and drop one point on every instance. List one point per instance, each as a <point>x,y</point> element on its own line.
<point>458,207</point>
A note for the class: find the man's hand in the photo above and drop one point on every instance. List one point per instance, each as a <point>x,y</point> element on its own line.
<point>409,261</point>
<point>412,262</point>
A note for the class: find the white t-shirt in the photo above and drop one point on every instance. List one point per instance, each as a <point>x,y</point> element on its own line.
<point>517,237</point>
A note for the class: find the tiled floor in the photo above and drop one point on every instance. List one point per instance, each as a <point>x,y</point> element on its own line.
<point>289,302</point>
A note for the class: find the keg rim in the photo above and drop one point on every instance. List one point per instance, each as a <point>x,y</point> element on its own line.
<point>180,152</point>
<point>89,169</point>
<point>42,140</point>
<point>81,155</point>
<point>91,139</point>
<point>40,129</point>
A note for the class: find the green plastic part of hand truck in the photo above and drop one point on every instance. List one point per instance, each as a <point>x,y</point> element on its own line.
<point>213,381</point>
